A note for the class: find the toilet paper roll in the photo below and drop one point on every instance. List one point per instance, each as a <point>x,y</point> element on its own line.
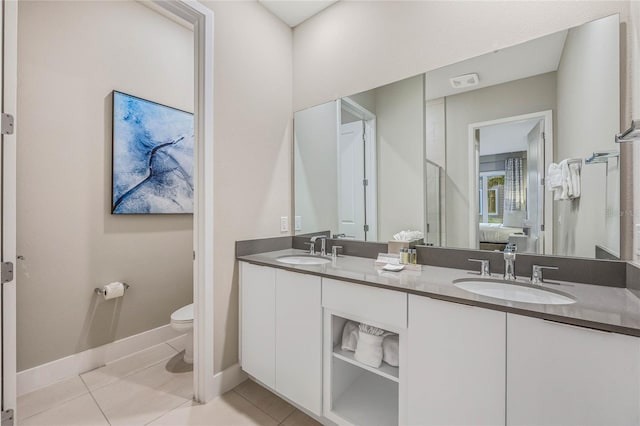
<point>113,290</point>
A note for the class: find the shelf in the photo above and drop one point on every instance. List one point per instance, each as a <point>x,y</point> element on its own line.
<point>370,400</point>
<point>385,370</point>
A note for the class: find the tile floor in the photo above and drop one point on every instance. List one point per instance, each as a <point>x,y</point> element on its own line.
<point>138,390</point>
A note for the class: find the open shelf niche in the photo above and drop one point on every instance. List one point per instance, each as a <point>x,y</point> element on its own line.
<point>361,394</point>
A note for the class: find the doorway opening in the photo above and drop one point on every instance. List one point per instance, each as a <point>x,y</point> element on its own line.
<point>507,163</point>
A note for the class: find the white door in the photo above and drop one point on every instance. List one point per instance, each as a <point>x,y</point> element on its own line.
<point>299,339</point>
<point>8,87</point>
<point>258,322</point>
<point>351,195</point>
<point>535,189</point>
<point>558,374</point>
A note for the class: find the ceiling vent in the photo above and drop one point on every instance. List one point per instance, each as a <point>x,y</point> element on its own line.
<point>466,80</point>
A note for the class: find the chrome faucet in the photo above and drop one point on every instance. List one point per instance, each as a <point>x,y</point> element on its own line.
<point>323,240</point>
<point>510,262</point>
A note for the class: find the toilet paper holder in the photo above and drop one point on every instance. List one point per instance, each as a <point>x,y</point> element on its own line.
<point>99,290</point>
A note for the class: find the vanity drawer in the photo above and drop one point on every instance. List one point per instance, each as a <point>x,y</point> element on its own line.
<point>377,304</point>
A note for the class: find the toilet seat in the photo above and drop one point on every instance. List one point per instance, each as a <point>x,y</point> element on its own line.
<point>183,315</point>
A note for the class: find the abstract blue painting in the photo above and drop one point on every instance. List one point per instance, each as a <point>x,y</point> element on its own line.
<point>152,157</point>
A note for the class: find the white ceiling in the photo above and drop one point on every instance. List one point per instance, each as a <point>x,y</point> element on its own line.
<point>534,57</point>
<point>506,137</point>
<point>294,12</point>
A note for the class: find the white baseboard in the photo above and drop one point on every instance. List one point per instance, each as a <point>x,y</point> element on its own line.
<point>228,379</point>
<point>73,365</point>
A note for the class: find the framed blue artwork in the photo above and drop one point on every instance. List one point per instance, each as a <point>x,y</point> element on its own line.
<point>152,157</point>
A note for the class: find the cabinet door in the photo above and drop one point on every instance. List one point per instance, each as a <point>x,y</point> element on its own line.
<point>558,374</point>
<point>299,339</point>
<point>258,316</point>
<point>456,364</point>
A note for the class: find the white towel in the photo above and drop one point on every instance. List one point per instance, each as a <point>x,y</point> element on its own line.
<point>564,179</point>
<point>369,350</point>
<point>350,336</point>
<point>554,178</point>
<point>574,177</point>
<point>390,351</point>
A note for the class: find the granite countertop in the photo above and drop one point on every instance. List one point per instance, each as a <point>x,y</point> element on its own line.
<point>604,308</point>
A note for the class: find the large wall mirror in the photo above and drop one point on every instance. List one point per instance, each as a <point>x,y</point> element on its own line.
<point>515,146</point>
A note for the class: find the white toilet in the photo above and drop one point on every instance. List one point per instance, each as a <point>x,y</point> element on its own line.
<point>182,320</point>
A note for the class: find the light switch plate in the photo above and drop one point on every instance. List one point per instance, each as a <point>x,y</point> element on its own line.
<point>298,223</point>
<point>284,223</point>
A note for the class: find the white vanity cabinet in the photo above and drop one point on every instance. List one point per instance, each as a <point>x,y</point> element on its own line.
<point>456,363</point>
<point>559,374</point>
<point>281,332</point>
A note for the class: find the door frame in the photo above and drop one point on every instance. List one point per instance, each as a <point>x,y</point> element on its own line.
<point>9,31</point>
<point>201,18</point>
<point>371,160</point>
<point>546,206</point>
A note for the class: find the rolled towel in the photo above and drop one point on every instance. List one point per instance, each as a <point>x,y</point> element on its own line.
<point>390,351</point>
<point>574,177</point>
<point>350,336</point>
<point>369,350</point>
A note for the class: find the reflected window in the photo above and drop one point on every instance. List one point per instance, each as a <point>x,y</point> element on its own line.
<point>490,194</point>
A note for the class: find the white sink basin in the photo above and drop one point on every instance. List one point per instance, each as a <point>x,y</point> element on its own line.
<point>514,292</point>
<point>301,259</point>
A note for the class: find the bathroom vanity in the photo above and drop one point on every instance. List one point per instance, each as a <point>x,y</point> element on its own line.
<point>464,358</point>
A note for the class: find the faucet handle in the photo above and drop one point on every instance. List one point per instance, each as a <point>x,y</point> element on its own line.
<point>484,267</point>
<point>334,251</point>
<point>312,247</point>
<point>536,273</point>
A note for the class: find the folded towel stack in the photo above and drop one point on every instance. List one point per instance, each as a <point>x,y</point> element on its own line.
<point>371,345</point>
<point>564,179</point>
<point>408,235</point>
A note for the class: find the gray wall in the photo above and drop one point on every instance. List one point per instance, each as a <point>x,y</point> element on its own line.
<point>589,87</point>
<point>70,241</point>
<point>518,97</point>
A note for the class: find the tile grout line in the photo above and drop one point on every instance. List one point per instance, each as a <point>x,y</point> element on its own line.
<point>171,410</point>
<point>95,400</point>
<point>285,419</point>
<point>90,391</point>
<point>173,347</point>
<point>260,409</point>
<point>59,403</point>
<point>121,378</point>
<point>129,373</point>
